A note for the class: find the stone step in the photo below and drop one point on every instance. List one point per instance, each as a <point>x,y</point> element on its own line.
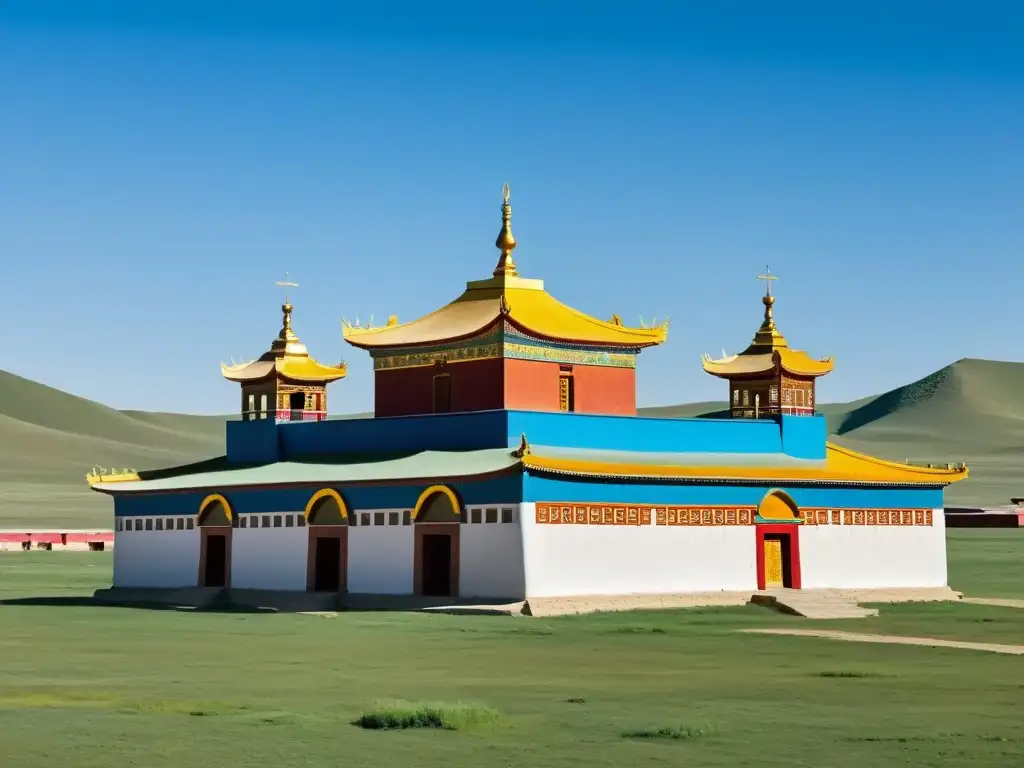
<point>812,606</point>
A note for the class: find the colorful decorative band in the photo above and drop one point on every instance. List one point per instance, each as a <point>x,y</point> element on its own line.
<point>503,341</point>
<point>436,355</point>
<point>592,514</point>
<point>552,513</point>
<point>866,517</point>
<point>552,354</point>
<point>705,515</point>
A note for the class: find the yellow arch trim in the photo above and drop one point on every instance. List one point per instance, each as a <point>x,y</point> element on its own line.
<point>212,498</point>
<point>785,498</point>
<point>324,493</point>
<point>456,504</point>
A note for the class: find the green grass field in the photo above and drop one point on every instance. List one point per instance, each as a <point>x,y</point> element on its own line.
<point>111,687</point>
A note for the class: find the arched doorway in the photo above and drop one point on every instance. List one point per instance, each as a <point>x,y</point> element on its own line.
<point>327,556</point>
<point>214,520</point>
<point>778,542</point>
<point>436,556</point>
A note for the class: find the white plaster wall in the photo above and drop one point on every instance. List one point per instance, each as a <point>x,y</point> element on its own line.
<point>380,559</point>
<point>269,558</point>
<point>491,559</point>
<point>873,556</point>
<point>581,560</point>
<point>156,558</point>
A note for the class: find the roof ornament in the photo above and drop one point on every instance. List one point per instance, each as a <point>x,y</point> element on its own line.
<point>287,334</point>
<point>768,300</point>
<point>503,306</point>
<point>523,449</point>
<point>506,243</point>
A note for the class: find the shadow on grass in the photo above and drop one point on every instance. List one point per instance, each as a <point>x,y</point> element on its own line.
<point>79,601</point>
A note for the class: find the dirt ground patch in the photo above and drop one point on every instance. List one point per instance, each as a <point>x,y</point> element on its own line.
<point>1002,602</point>
<point>859,637</point>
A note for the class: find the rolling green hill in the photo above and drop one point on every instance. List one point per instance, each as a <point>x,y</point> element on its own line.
<point>968,411</point>
<point>50,439</point>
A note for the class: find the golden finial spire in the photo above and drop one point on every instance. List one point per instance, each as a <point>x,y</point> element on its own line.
<point>506,242</point>
<point>768,333</point>
<point>286,334</point>
<point>768,299</point>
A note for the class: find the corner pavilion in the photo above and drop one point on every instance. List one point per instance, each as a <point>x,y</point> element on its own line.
<point>505,462</point>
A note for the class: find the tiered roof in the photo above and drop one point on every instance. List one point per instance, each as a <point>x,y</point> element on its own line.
<point>768,352</point>
<point>287,358</point>
<point>505,295</point>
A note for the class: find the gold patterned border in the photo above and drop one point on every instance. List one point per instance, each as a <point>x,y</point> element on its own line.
<point>420,359</point>
<point>592,514</point>
<point>890,517</point>
<point>554,513</point>
<point>705,515</point>
<point>518,351</point>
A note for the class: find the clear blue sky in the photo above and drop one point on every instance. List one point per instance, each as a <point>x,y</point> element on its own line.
<point>163,163</point>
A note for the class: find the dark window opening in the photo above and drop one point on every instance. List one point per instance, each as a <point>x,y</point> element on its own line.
<point>296,404</point>
<point>442,393</point>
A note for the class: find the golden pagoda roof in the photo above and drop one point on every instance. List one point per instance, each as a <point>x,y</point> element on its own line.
<point>769,351</point>
<point>523,302</point>
<point>287,358</point>
<point>840,465</point>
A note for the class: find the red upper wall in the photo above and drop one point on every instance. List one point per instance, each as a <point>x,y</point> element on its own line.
<point>478,385</point>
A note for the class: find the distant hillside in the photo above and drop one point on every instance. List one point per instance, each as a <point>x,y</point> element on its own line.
<point>968,411</point>
<point>49,439</point>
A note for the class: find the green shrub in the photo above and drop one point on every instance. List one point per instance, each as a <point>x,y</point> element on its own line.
<point>395,715</point>
<point>681,733</point>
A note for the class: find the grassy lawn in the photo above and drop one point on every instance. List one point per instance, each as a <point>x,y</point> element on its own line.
<point>90,686</point>
<point>986,563</point>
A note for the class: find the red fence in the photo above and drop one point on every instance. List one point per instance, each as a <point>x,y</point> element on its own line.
<point>97,540</point>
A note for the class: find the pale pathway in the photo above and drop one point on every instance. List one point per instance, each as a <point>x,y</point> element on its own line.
<point>1002,602</point>
<point>860,637</point>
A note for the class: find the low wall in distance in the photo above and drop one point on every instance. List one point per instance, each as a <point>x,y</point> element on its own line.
<point>985,519</point>
<point>56,541</point>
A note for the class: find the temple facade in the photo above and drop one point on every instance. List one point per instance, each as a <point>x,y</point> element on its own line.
<point>505,461</point>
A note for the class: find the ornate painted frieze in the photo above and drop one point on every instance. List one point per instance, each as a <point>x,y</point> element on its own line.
<point>705,515</point>
<point>483,347</point>
<point>550,354</point>
<point>890,517</point>
<point>503,340</point>
<point>553,513</point>
<point>592,514</point>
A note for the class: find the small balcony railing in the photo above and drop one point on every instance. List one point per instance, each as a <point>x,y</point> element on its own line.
<point>289,415</point>
<point>284,415</point>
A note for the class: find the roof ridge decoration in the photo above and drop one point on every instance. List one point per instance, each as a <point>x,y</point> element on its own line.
<point>523,301</point>
<point>100,474</point>
<point>769,348</point>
